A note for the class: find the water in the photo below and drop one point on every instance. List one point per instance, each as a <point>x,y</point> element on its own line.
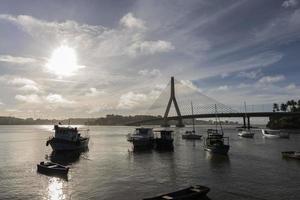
<point>253,169</point>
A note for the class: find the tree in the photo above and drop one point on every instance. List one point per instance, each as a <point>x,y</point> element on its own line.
<point>283,107</point>
<point>275,107</point>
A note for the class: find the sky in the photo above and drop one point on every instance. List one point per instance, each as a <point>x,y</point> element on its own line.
<point>64,58</point>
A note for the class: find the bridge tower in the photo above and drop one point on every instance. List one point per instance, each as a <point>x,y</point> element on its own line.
<point>172,99</point>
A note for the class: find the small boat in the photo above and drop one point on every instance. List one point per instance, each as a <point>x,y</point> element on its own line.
<point>194,192</point>
<point>142,138</point>
<point>52,168</point>
<point>67,139</point>
<point>291,154</point>
<point>164,141</point>
<point>216,142</point>
<point>268,133</point>
<point>191,135</point>
<point>245,133</point>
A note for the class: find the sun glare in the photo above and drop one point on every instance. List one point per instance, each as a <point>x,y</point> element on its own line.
<point>63,62</point>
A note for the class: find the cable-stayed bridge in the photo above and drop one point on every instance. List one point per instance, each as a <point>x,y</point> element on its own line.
<point>182,100</point>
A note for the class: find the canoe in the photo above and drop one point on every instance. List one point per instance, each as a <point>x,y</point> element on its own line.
<point>291,154</point>
<point>194,192</point>
<point>52,168</point>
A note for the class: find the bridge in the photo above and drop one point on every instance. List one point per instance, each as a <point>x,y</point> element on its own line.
<point>205,107</point>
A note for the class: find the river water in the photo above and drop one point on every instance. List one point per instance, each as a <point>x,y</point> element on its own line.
<point>253,168</point>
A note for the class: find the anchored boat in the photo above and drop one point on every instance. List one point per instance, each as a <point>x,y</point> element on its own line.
<point>291,154</point>
<point>51,168</point>
<point>246,133</point>
<point>268,133</point>
<point>67,138</point>
<point>164,141</point>
<point>194,192</point>
<point>142,138</point>
<point>191,135</point>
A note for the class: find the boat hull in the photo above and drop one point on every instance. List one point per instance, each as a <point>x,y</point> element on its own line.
<point>291,155</point>
<point>274,134</point>
<point>191,137</point>
<point>195,192</point>
<point>142,143</point>
<point>163,144</point>
<point>222,149</point>
<point>63,145</point>
<point>246,134</point>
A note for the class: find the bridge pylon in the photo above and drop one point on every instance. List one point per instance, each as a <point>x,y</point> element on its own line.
<point>172,99</point>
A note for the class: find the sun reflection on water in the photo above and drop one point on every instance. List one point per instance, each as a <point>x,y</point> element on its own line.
<point>55,189</point>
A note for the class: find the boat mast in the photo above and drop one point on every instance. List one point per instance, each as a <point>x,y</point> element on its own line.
<point>218,120</point>
<point>246,112</point>
<point>193,117</point>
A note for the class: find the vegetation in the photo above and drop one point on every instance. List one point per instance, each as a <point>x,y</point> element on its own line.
<point>285,122</point>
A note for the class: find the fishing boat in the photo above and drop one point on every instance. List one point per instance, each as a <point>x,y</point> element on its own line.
<point>245,132</point>
<point>142,138</point>
<point>190,193</point>
<point>215,142</point>
<point>164,140</point>
<point>67,139</point>
<point>268,133</point>
<point>291,154</point>
<point>52,168</point>
<point>191,135</point>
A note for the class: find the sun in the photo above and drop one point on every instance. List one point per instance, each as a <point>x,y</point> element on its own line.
<point>63,62</point>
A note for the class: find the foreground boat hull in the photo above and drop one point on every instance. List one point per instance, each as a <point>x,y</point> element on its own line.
<point>217,149</point>
<point>61,145</point>
<point>195,192</point>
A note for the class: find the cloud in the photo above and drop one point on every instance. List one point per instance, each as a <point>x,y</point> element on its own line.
<point>289,3</point>
<point>190,84</point>
<point>23,84</point>
<point>57,98</point>
<point>291,86</point>
<point>150,73</point>
<point>250,74</point>
<point>223,88</point>
<point>93,92</point>
<point>16,60</point>
<point>149,47</point>
<point>271,79</point>
<point>131,100</point>
<point>130,21</point>
<point>32,98</point>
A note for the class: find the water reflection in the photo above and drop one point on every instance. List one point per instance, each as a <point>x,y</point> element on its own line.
<point>65,157</point>
<point>55,189</point>
<point>218,161</point>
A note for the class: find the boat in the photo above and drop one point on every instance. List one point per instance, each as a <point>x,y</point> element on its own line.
<point>67,139</point>
<point>215,142</point>
<point>142,138</point>
<point>268,133</point>
<point>246,133</point>
<point>164,141</point>
<point>193,192</point>
<point>51,168</point>
<point>291,154</point>
<point>191,135</point>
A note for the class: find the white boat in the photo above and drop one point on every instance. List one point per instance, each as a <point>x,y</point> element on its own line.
<point>67,139</point>
<point>191,135</point>
<point>142,138</point>
<point>268,133</point>
<point>245,133</point>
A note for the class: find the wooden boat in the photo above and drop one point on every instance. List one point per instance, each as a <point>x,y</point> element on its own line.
<point>274,133</point>
<point>142,138</point>
<point>291,154</point>
<point>191,135</point>
<point>194,192</point>
<point>215,142</point>
<point>52,168</point>
<point>164,141</point>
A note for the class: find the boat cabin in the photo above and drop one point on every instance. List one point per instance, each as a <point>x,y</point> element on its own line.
<point>144,132</point>
<point>66,133</point>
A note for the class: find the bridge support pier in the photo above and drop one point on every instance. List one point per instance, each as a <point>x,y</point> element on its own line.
<point>244,120</point>
<point>172,99</point>
<point>248,119</point>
